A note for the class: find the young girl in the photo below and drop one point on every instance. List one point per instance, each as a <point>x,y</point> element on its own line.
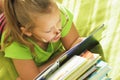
<point>36,31</point>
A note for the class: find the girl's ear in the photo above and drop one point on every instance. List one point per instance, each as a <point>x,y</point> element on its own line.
<point>25,31</point>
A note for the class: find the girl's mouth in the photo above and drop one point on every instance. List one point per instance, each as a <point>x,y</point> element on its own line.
<point>57,37</point>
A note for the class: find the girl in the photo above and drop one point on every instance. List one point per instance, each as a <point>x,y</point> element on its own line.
<point>36,31</point>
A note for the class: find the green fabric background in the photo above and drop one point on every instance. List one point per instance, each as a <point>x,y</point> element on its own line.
<point>7,70</point>
<point>89,14</point>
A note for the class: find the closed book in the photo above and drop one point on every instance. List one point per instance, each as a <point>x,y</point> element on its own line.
<point>101,72</point>
<point>80,70</point>
<point>88,72</point>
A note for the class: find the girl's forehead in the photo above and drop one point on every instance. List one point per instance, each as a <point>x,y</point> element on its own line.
<point>47,20</point>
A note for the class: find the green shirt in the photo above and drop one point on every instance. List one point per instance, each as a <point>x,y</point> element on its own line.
<point>19,51</point>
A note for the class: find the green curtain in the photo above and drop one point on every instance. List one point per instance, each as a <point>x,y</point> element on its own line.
<point>89,14</point>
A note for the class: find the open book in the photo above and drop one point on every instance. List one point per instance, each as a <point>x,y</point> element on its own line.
<point>88,43</point>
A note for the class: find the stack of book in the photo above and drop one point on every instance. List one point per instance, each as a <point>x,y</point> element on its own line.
<point>78,63</point>
<point>87,66</point>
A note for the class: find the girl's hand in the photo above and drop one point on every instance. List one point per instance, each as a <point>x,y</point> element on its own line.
<point>50,62</point>
<point>78,40</point>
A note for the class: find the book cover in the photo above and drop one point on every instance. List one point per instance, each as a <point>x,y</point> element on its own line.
<point>66,68</point>
<point>106,78</point>
<point>101,72</point>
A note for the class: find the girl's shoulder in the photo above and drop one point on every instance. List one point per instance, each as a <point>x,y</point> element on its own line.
<point>64,10</point>
<point>17,51</point>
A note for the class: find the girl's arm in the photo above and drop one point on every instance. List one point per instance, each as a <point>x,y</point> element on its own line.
<point>49,62</point>
<point>27,69</point>
<point>72,38</point>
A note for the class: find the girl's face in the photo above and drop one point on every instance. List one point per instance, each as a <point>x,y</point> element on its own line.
<point>48,27</point>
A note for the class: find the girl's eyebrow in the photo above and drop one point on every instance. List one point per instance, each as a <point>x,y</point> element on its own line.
<point>59,19</point>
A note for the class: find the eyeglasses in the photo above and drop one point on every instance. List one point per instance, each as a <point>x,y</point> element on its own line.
<point>67,19</point>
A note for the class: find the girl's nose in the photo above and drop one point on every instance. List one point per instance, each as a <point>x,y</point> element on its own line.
<point>57,30</point>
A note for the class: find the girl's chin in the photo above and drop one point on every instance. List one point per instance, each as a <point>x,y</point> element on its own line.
<point>54,41</point>
<point>45,41</point>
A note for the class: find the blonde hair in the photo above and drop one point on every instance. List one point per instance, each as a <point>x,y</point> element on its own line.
<point>1,6</point>
<point>18,13</point>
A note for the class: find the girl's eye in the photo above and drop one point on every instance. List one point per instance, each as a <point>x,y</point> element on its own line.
<point>48,31</point>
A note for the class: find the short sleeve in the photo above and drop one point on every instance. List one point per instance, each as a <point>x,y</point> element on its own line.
<point>66,19</point>
<point>17,51</point>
